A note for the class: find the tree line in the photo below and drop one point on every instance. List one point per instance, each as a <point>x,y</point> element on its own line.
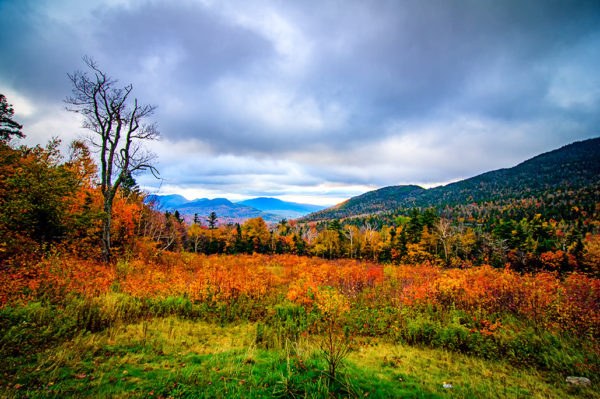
<point>423,236</point>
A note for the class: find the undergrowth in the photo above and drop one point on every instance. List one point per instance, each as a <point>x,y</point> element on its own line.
<point>274,351</point>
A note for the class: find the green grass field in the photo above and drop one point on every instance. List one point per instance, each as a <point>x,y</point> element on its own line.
<point>179,358</point>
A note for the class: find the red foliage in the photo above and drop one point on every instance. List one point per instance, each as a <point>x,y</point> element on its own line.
<point>571,303</point>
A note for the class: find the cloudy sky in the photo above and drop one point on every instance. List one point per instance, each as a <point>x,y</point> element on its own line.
<point>317,101</point>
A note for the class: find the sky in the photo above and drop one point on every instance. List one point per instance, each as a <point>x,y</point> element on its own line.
<point>316,101</point>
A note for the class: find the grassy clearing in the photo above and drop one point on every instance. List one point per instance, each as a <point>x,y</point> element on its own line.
<point>173,357</point>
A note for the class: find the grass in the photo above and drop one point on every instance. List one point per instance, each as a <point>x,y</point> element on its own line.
<point>174,357</point>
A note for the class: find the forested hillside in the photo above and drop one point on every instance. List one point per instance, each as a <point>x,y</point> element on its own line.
<point>371,202</point>
<point>571,167</point>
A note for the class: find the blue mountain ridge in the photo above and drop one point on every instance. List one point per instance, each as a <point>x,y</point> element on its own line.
<point>273,204</point>
<point>271,210</point>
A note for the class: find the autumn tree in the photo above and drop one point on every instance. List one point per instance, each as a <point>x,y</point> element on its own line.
<point>591,256</point>
<point>328,241</point>
<point>195,234</point>
<point>35,190</point>
<point>118,125</point>
<point>334,344</point>
<point>257,234</point>
<point>283,227</point>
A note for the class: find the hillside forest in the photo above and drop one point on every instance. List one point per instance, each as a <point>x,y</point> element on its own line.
<point>507,282</point>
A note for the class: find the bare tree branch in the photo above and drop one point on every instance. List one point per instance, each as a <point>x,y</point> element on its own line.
<point>118,126</point>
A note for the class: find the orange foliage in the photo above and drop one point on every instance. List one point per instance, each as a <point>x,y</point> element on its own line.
<point>306,275</point>
<point>54,278</point>
<point>571,303</point>
<point>557,260</point>
<point>200,277</point>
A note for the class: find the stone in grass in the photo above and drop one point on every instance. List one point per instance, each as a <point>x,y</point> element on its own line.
<point>578,381</point>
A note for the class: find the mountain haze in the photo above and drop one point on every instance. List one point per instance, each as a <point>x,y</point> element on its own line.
<point>168,202</point>
<point>272,210</point>
<point>289,210</point>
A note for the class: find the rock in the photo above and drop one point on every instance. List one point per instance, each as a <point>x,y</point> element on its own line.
<point>578,381</point>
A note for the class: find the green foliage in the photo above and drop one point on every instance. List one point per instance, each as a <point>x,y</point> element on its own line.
<point>285,322</point>
<point>8,127</point>
<point>212,220</point>
<point>35,190</point>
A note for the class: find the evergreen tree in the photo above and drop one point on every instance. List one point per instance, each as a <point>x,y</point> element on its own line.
<point>239,246</point>
<point>8,127</point>
<point>212,220</point>
<point>178,216</point>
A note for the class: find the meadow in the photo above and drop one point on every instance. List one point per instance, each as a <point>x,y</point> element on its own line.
<point>166,324</point>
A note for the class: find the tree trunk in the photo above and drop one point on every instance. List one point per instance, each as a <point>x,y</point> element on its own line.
<point>106,230</point>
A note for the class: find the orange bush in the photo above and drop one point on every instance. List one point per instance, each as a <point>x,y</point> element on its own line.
<point>571,303</point>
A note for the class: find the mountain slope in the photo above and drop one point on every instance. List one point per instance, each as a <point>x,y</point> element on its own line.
<point>572,166</point>
<point>370,202</point>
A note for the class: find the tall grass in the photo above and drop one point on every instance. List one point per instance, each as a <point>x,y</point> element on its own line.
<point>182,358</point>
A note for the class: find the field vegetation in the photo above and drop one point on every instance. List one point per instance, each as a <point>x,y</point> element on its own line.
<point>187,325</point>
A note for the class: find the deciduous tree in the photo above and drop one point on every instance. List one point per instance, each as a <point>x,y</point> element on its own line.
<point>118,125</point>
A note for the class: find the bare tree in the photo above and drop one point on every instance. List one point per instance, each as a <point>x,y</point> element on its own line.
<point>351,232</point>
<point>445,234</point>
<point>118,127</point>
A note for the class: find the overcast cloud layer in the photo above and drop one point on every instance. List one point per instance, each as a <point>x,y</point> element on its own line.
<point>317,101</point>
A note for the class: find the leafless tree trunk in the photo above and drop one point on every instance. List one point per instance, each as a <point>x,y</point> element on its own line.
<point>351,236</point>
<point>118,128</point>
<point>444,232</point>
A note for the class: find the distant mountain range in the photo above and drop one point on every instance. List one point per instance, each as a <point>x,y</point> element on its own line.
<point>289,210</point>
<point>573,166</point>
<point>272,210</point>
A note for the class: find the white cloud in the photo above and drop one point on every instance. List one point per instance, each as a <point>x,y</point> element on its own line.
<point>568,90</point>
<point>277,107</point>
<point>292,45</point>
<point>23,106</point>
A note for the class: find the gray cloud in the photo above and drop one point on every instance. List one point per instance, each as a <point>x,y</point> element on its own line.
<point>279,97</point>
